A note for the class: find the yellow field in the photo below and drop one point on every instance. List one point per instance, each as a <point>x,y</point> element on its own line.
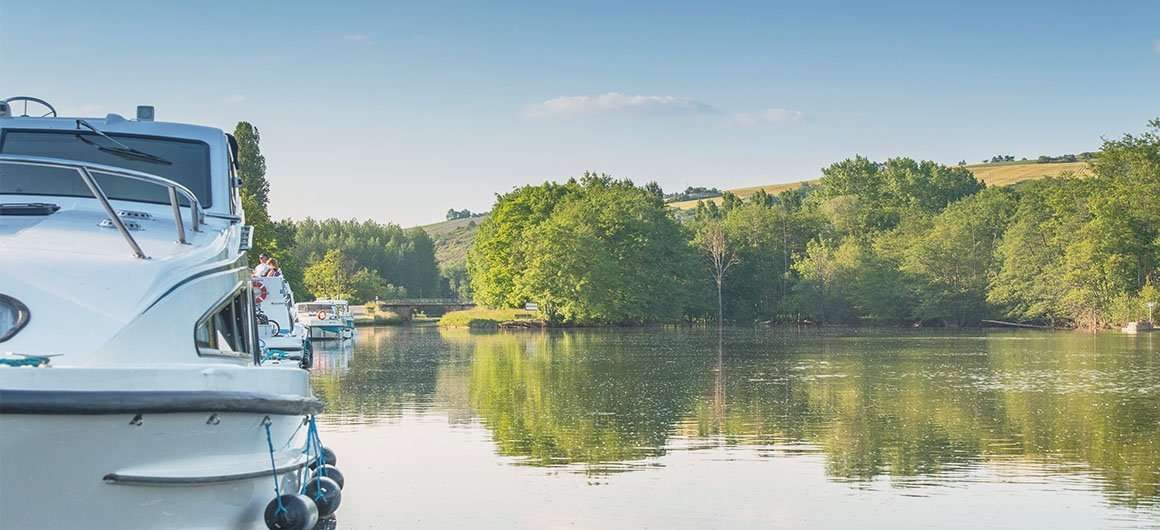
<point>1007,174</point>
<point>772,189</point>
<point>991,174</point>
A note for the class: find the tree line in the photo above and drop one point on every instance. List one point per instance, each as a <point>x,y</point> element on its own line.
<point>1042,159</point>
<point>899,241</point>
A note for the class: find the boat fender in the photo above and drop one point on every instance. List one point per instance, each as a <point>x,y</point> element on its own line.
<point>291,512</point>
<point>325,493</point>
<point>332,473</point>
<point>327,457</point>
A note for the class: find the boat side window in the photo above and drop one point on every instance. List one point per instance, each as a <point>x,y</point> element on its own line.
<point>228,329</point>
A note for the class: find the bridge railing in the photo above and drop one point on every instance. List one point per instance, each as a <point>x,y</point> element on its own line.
<point>423,301</point>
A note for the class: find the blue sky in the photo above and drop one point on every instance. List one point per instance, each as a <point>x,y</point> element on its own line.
<point>397,112</point>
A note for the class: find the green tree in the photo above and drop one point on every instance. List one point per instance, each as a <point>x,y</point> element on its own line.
<point>336,276</point>
<point>1079,250</point>
<point>497,257</point>
<point>328,277</point>
<point>954,261</point>
<point>593,251</point>
<point>255,192</point>
<point>1028,283</point>
<point>866,196</point>
<point>404,258</point>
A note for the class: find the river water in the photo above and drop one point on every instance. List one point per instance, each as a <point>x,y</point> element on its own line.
<point>765,428</point>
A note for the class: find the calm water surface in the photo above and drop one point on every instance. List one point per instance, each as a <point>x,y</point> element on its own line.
<point>674,429</point>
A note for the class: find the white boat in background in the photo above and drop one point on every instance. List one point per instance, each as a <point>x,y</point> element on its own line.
<point>281,336</point>
<point>327,319</point>
<point>131,394</point>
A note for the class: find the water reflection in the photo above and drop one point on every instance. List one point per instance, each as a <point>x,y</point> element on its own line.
<point>919,410</point>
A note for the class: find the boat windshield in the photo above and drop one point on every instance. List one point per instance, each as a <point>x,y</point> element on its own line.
<point>183,161</point>
<point>314,308</point>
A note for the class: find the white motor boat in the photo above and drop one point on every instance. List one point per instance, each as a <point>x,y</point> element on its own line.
<point>327,319</point>
<point>131,394</point>
<point>281,336</point>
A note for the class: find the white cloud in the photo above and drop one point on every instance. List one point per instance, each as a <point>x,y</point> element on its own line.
<point>614,102</point>
<point>779,116</point>
<point>236,98</point>
<point>356,37</point>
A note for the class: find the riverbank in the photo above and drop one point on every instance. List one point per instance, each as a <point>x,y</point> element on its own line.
<point>486,318</point>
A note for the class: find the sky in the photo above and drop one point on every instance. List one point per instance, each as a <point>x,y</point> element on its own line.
<point>397,112</point>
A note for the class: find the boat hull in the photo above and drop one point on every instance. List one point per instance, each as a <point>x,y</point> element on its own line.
<point>187,459</point>
<point>336,331</point>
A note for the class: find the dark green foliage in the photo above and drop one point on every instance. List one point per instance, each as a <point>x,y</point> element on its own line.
<point>454,214</point>
<point>395,257</point>
<point>455,282</point>
<point>692,193</point>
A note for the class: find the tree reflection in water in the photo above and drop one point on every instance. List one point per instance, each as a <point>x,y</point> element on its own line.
<point>915,408</point>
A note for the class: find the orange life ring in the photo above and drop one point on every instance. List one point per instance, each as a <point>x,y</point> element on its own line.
<point>260,292</point>
<point>321,315</point>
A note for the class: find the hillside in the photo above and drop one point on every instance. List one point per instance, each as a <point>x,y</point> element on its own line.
<point>998,174</point>
<point>1010,173</point>
<point>453,238</point>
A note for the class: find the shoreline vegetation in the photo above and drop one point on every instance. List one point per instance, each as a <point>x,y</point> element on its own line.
<point>898,242</point>
<point>894,242</point>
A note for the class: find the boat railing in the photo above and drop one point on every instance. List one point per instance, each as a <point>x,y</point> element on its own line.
<point>85,171</point>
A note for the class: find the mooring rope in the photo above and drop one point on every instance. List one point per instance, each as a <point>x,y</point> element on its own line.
<point>313,447</point>
<point>273,466</point>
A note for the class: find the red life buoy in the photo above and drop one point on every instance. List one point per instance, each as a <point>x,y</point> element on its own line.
<point>260,292</point>
<point>321,315</point>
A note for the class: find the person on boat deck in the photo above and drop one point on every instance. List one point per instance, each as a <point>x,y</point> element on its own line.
<point>272,268</point>
<point>263,265</point>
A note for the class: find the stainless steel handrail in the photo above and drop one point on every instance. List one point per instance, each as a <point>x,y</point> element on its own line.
<point>85,170</point>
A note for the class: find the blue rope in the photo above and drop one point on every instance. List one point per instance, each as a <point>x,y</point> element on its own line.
<point>318,450</point>
<point>304,477</point>
<point>313,452</point>
<point>273,466</point>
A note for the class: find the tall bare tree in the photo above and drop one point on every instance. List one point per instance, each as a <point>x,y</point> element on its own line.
<point>722,255</point>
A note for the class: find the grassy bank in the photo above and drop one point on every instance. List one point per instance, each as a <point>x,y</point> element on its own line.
<point>487,318</point>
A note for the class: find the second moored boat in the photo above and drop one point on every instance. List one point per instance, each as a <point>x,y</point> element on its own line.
<point>327,319</point>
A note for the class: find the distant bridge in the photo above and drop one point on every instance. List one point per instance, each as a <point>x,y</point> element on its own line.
<point>407,307</point>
